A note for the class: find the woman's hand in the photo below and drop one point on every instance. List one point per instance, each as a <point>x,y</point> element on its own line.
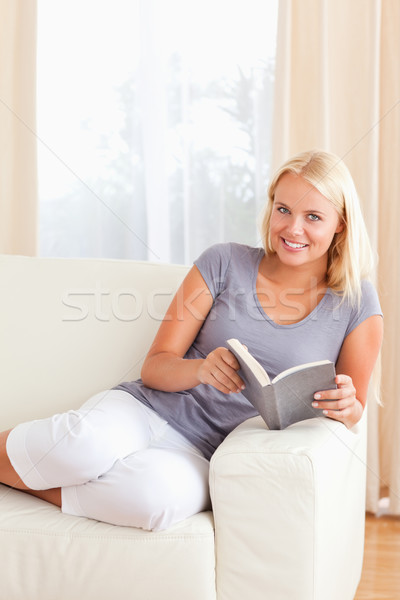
<point>340,404</point>
<point>219,369</point>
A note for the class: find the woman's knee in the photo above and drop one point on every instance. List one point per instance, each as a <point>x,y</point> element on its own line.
<point>60,451</point>
<point>77,446</point>
<point>81,451</point>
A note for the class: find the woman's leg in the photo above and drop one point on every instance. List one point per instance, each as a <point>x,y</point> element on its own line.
<point>78,446</point>
<point>136,469</point>
<point>53,496</point>
<point>10,477</point>
<point>7,473</point>
<point>151,489</point>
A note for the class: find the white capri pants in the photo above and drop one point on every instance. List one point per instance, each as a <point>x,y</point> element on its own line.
<point>115,460</point>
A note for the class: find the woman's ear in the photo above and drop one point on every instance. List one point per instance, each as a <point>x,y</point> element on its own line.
<point>340,227</point>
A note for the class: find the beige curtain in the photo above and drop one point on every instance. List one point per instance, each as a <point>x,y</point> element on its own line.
<point>338,88</point>
<point>18,173</point>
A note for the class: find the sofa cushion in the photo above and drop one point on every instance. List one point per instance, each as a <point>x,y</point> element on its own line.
<point>46,555</point>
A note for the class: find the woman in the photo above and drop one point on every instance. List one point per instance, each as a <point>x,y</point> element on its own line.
<point>138,455</point>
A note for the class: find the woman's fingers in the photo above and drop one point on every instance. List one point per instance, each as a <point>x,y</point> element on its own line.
<point>219,369</point>
<point>340,404</point>
<point>341,397</point>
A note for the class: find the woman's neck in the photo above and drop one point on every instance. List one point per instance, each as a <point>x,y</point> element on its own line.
<point>287,294</point>
<point>305,277</point>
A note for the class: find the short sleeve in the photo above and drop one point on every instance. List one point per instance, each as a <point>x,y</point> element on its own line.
<point>369,306</point>
<point>213,264</point>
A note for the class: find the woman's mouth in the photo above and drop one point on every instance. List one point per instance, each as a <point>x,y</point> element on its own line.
<point>294,245</point>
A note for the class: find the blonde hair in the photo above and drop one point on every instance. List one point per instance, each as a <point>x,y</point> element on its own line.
<point>350,257</point>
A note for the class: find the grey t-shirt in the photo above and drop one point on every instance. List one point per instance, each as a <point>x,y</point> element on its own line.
<point>203,414</point>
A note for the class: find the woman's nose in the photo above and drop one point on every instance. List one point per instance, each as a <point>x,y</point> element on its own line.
<point>295,226</point>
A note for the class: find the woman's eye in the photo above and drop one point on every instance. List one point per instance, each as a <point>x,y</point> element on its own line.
<point>283,210</point>
<point>313,217</point>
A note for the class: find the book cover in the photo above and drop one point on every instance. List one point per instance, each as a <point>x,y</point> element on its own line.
<point>287,398</point>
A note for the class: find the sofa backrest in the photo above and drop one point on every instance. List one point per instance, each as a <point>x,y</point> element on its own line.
<point>72,327</point>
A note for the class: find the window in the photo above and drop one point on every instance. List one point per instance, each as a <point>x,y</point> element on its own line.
<point>154,125</point>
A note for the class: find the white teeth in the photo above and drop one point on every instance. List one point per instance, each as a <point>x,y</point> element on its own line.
<point>293,245</point>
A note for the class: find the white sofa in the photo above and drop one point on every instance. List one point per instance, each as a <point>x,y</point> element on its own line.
<point>288,506</point>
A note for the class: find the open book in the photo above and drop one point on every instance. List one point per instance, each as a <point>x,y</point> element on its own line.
<point>288,397</point>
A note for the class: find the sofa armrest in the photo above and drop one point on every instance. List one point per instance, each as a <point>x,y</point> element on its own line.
<point>289,509</point>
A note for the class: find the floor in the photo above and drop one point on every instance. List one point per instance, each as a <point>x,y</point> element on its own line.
<point>380,578</point>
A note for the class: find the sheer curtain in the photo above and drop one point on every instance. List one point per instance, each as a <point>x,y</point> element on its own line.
<point>18,176</point>
<point>338,88</point>
<point>154,125</point>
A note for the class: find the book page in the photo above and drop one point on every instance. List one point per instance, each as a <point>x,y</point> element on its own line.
<point>243,354</point>
<point>299,368</point>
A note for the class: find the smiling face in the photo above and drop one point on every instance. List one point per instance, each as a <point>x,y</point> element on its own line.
<point>303,223</point>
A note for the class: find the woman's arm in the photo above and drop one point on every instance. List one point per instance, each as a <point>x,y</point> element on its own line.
<point>356,361</point>
<point>165,368</point>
